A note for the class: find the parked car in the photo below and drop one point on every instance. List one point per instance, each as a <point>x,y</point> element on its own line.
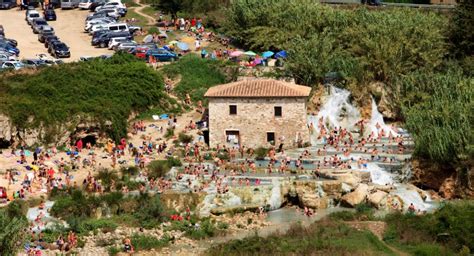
<point>125,47</point>
<point>31,15</point>
<point>69,4</point>
<point>114,13</point>
<point>98,15</point>
<point>54,4</point>
<point>33,63</point>
<point>37,24</point>
<point>111,4</point>
<point>44,34</point>
<point>103,40</point>
<point>2,31</point>
<point>140,52</point>
<point>161,55</point>
<point>7,4</point>
<point>49,40</point>
<point>46,28</point>
<point>116,41</point>
<point>12,42</point>
<point>96,4</point>
<point>6,57</point>
<point>49,14</point>
<point>105,20</point>
<point>59,49</point>
<point>12,64</point>
<point>86,4</point>
<point>7,47</point>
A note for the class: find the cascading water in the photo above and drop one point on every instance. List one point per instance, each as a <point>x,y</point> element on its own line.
<point>411,196</point>
<point>377,123</point>
<point>337,111</point>
<point>34,212</point>
<point>275,197</point>
<point>379,175</point>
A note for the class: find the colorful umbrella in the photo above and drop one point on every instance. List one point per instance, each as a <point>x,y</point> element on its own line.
<point>183,46</point>
<point>250,53</point>
<point>267,54</point>
<point>281,54</point>
<point>236,53</point>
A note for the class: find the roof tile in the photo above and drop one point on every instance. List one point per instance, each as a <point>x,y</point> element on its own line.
<point>258,88</point>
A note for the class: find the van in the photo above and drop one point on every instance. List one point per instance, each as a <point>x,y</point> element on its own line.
<point>69,4</point>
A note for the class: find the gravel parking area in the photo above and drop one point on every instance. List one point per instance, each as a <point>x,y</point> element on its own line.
<point>69,28</point>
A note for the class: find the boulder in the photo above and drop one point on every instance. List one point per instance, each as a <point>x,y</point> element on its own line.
<point>332,187</point>
<point>314,201</point>
<point>358,196</point>
<point>235,209</point>
<point>377,199</point>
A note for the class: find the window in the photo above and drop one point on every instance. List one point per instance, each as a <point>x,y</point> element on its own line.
<point>277,111</point>
<point>271,137</point>
<point>232,109</point>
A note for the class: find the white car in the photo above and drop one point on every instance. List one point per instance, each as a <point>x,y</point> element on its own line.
<point>113,4</point>
<point>31,15</point>
<point>6,57</point>
<point>91,23</point>
<point>85,4</point>
<point>116,41</point>
<point>12,64</point>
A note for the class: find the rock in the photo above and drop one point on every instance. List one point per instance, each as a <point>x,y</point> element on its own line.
<point>346,188</point>
<point>332,187</point>
<point>314,201</point>
<point>358,196</point>
<point>385,105</point>
<point>385,188</point>
<point>234,209</point>
<point>377,198</point>
<point>447,189</point>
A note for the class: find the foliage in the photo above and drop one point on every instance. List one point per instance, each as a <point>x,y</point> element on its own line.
<point>106,177</point>
<point>189,6</point>
<point>261,152</point>
<point>438,112</point>
<point>169,133</point>
<point>95,91</point>
<point>323,237</point>
<point>197,75</point>
<point>184,138</point>
<point>199,229</point>
<point>452,225</point>
<point>13,226</point>
<point>159,168</point>
<point>461,32</point>
<point>361,44</point>
<point>144,242</point>
<point>92,224</point>
<point>151,212</point>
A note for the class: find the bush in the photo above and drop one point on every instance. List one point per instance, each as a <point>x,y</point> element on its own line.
<point>184,138</point>
<point>96,91</point>
<point>158,168</point>
<point>169,133</point>
<point>144,242</point>
<point>261,152</point>
<point>106,177</point>
<point>451,225</point>
<point>91,225</point>
<point>151,212</point>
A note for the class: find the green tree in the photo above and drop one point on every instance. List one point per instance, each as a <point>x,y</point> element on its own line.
<point>462,29</point>
<point>13,225</point>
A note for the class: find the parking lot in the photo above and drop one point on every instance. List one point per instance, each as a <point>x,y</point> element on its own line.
<point>69,27</point>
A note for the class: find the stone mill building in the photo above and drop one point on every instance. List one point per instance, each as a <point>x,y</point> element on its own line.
<point>258,112</point>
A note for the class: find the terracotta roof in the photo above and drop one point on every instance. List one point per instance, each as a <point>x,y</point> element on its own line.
<point>258,88</point>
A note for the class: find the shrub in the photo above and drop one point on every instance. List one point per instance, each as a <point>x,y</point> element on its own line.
<point>261,152</point>
<point>144,242</point>
<point>106,177</point>
<point>158,168</point>
<point>97,90</point>
<point>184,138</point>
<point>91,225</point>
<point>169,133</point>
<point>150,213</point>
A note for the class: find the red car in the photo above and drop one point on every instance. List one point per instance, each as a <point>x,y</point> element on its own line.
<point>140,52</point>
<point>3,193</point>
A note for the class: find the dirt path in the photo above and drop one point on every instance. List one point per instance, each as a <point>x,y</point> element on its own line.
<point>150,20</point>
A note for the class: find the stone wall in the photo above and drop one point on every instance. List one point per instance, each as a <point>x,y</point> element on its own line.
<point>255,117</point>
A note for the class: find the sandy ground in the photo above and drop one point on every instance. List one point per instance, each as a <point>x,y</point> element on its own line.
<point>7,161</point>
<point>69,27</point>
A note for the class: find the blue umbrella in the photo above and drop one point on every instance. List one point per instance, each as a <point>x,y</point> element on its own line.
<point>183,46</point>
<point>267,54</point>
<point>281,54</point>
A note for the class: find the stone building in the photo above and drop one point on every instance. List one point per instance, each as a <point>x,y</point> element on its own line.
<point>258,112</point>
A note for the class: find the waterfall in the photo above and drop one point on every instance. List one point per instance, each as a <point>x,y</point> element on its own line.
<point>46,219</point>
<point>337,111</point>
<point>275,197</point>
<point>378,175</point>
<point>376,120</point>
<point>411,196</point>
